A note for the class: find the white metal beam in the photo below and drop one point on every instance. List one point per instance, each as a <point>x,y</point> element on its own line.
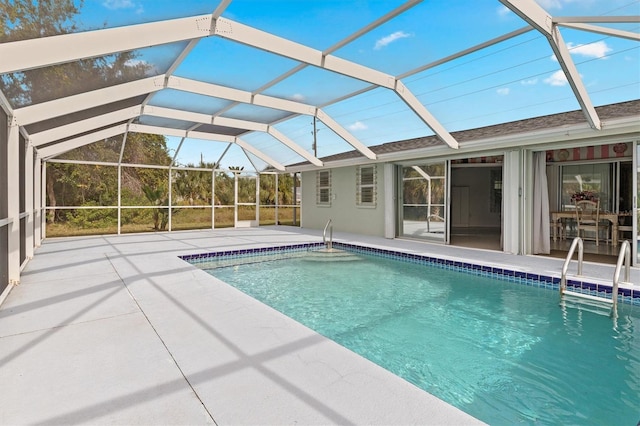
<point>283,104</point>
<point>294,146</point>
<point>535,15</point>
<point>157,130</point>
<point>229,122</point>
<point>5,105</point>
<point>270,43</point>
<point>211,137</point>
<point>264,157</point>
<point>77,127</point>
<point>413,103</point>
<point>573,77</point>
<point>629,19</point>
<point>61,147</point>
<point>244,34</point>
<point>280,46</point>
<point>46,51</point>
<point>360,72</point>
<point>236,95</point>
<point>240,124</point>
<point>70,104</point>
<point>222,92</point>
<point>340,131</point>
<point>532,13</point>
<point>208,89</point>
<point>175,114</point>
<point>604,30</point>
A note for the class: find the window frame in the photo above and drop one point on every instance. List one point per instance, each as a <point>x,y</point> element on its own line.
<point>360,186</point>
<point>323,189</point>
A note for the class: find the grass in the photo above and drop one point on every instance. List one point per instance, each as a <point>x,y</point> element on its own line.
<point>181,219</point>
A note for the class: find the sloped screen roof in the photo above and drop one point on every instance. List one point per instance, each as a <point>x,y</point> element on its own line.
<point>290,81</point>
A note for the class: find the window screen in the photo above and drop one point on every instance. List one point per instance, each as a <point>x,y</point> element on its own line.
<point>366,186</point>
<point>323,187</point>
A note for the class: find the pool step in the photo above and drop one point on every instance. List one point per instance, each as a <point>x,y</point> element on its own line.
<point>331,255</point>
<point>584,302</point>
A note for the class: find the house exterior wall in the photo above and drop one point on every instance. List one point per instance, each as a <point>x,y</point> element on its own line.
<point>343,210</point>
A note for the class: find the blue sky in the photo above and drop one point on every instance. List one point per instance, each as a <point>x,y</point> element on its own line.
<point>516,79</point>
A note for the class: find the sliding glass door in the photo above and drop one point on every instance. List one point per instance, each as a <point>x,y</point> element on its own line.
<point>422,207</point>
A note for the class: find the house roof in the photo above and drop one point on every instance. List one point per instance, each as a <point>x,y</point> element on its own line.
<point>520,127</point>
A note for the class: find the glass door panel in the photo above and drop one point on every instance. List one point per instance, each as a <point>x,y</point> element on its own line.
<point>423,209</point>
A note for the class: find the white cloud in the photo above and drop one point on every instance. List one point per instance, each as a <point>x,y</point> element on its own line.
<point>298,97</point>
<point>557,79</point>
<point>503,91</point>
<point>358,125</point>
<point>599,49</point>
<point>530,82</point>
<point>503,11</point>
<point>118,4</point>
<point>385,41</point>
<point>135,63</point>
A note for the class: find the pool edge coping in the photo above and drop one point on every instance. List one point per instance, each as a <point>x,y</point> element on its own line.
<point>587,285</point>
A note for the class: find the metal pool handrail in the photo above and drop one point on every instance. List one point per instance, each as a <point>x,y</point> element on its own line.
<point>324,235</point>
<point>577,241</point>
<point>624,256</point>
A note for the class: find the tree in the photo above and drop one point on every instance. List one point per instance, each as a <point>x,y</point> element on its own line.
<point>28,19</point>
<point>158,197</point>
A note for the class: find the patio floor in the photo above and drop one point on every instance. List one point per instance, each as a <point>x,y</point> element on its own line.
<point>118,330</point>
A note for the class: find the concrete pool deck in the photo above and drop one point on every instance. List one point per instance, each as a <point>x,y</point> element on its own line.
<point>119,330</point>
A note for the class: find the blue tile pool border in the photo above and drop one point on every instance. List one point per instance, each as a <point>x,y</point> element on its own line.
<point>627,296</point>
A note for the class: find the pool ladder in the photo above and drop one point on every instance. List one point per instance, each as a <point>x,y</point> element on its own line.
<point>624,259</point>
<point>328,243</point>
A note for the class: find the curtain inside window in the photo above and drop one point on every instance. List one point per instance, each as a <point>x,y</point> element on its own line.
<point>541,234</point>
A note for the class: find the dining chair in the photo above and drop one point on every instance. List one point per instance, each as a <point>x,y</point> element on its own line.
<point>588,218</point>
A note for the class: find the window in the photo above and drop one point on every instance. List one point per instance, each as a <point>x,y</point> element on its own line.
<point>366,186</point>
<point>323,187</point>
<point>595,179</point>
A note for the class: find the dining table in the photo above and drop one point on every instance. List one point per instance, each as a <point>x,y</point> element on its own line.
<point>612,217</point>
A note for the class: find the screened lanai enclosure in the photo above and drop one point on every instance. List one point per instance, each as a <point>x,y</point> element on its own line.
<point>145,116</point>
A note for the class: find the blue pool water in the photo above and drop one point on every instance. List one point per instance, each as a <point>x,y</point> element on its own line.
<point>501,351</point>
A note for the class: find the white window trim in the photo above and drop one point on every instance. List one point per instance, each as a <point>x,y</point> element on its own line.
<point>360,186</point>
<point>320,187</point>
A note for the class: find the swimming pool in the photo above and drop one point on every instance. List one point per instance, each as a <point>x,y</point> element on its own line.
<point>500,351</point>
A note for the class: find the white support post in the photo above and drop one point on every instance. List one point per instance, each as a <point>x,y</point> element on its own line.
<point>37,201</point>
<point>511,201</point>
<point>122,146</point>
<point>13,201</point>
<point>213,197</point>
<point>277,201</point>
<point>43,209</point>
<point>29,190</point>
<point>258,199</point>
<point>390,201</point>
<point>235,199</point>
<point>170,193</point>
